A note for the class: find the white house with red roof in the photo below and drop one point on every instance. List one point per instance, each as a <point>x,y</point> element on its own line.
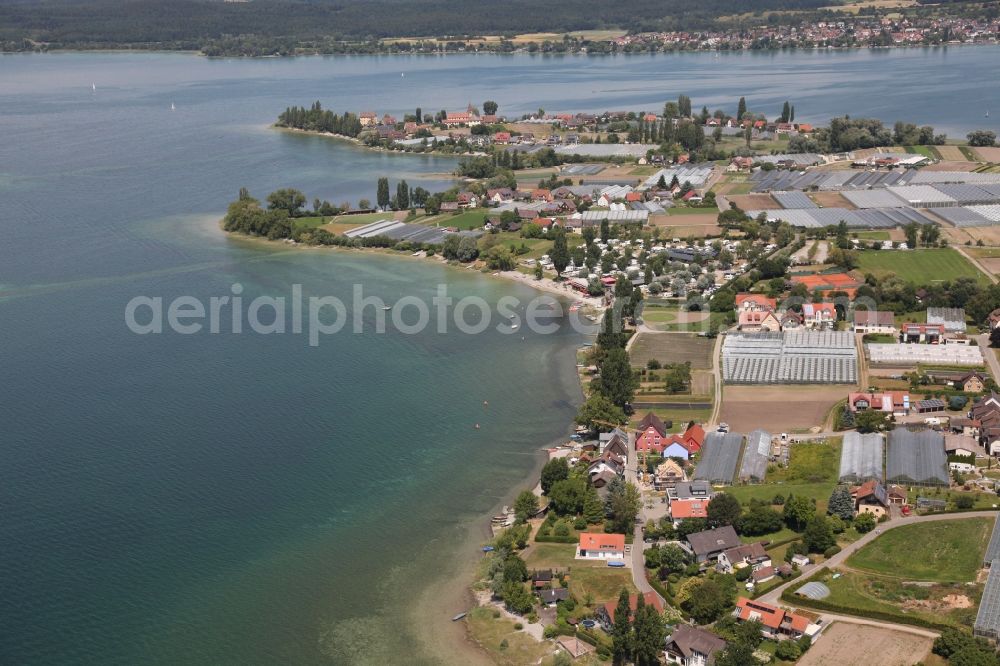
<point>819,315</point>
<point>600,546</point>
<point>755,303</point>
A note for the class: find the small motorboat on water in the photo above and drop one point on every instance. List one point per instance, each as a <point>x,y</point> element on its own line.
<point>458,617</point>
<point>387,307</point>
<point>487,549</point>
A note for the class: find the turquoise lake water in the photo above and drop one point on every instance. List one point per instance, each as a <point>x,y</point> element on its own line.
<point>244,499</point>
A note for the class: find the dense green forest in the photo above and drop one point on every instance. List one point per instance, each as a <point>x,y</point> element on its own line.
<point>196,23</point>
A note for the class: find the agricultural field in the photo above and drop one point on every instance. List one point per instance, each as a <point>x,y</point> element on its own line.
<point>688,210</point>
<point>929,152</point>
<point>671,348</point>
<point>859,645</point>
<point>777,408</point>
<point>917,265</point>
<point>754,201</point>
<point>943,551</point>
<point>950,153</point>
<point>988,154</point>
<point>831,200</point>
<point>988,235</point>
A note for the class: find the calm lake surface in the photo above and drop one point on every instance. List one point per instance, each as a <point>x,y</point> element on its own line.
<point>243,499</point>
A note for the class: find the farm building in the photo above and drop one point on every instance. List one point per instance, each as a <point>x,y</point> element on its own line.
<point>987,623</point>
<point>916,458</point>
<point>719,457</point>
<point>900,354</point>
<point>755,456</point>
<point>993,549</point>
<point>953,319</point>
<point>861,457</point>
<point>793,357</point>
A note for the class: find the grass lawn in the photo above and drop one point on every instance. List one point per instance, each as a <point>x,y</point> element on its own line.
<point>550,555</point>
<point>766,491</point>
<point>945,551</point>
<point>811,463</point>
<point>872,235</point>
<point>470,219</point>
<point>308,222</point>
<point>783,534</point>
<point>660,315</point>
<point>683,210</point>
<point>917,266</point>
<point>717,318</point>
<point>597,578</point>
<point>490,632</point>
<point>604,583</point>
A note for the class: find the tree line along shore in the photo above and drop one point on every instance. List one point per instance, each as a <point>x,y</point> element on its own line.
<point>297,27</point>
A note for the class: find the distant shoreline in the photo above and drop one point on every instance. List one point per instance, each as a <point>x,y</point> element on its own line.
<point>126,49</point>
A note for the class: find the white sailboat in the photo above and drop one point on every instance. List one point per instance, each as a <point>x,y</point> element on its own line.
<point>172,107</point>
<point>93,86</point>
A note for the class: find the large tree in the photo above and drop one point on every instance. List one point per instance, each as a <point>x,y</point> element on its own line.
<point>617,382</point>
<point>490,107</point>
<point>798,511</point>
<point>382,193</point>
<point>649,632</point>
<point>525,506</point>
<point>559,254</point>
<point>554,470</point>
<point>599,413</point>
<point>621,630</point>
<point>708,603</point>
<point>840,503</point>
<point>818,535</point>
<point>723,509</point>
<point>288,199</point>
<point>624,502</point>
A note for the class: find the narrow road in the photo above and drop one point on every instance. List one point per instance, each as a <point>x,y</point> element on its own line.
<point>713,420</point>
<point>639,565</point>
<point>830,618</point>
<point>989,355</point>
<point>774,596</point>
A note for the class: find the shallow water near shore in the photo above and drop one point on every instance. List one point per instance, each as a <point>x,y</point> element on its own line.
<point>243,499</point>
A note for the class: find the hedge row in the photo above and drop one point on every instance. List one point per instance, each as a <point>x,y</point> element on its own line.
<point>552,538</point>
